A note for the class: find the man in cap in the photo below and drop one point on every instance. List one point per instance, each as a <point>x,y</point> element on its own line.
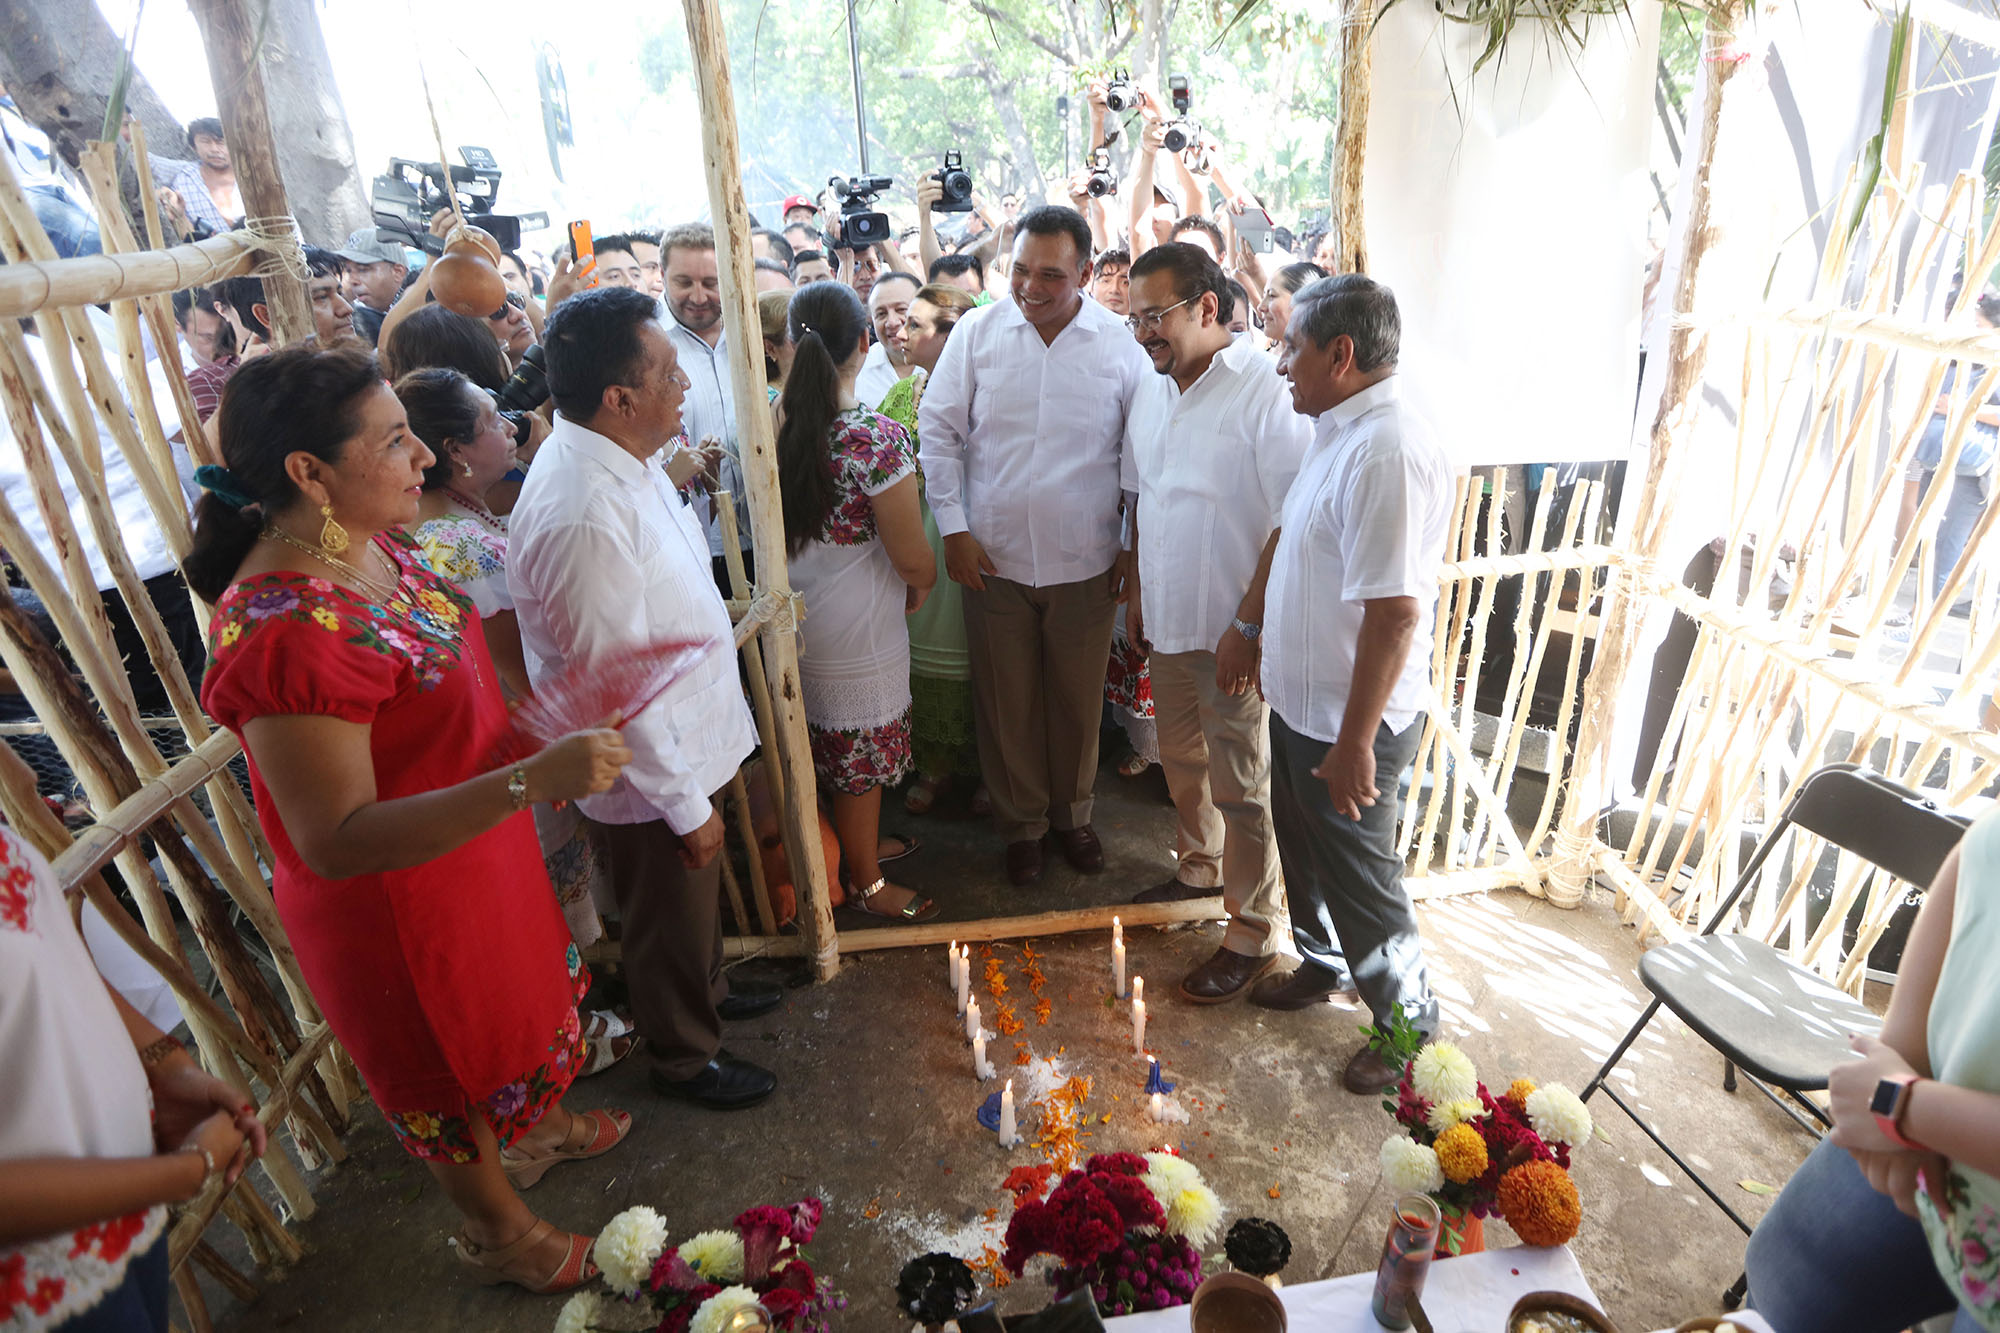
<point>373,267</point>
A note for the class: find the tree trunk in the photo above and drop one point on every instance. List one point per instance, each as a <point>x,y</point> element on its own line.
<point>315,148</point>
<point>1034,186</point>
<point>1351,145</point>
<point>60,60</point>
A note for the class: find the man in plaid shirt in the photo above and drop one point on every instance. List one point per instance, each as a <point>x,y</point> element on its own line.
<point>201,193</point>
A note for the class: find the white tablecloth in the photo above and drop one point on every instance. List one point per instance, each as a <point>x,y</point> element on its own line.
<point>1469,1294</point>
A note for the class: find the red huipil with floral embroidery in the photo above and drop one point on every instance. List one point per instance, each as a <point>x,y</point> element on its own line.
<point>445,981</point>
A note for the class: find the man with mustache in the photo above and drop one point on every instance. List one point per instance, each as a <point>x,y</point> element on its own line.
<point>694,323</point>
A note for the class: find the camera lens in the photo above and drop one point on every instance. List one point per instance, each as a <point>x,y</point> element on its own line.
<point>1176,137</point>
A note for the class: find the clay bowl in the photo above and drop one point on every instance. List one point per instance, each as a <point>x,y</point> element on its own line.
<point>1560,1302</point>
<point>1706,1323</point>
<point>1235,1303</point>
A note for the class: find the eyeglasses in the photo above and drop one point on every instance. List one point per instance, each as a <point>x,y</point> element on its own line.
<point>1147,323</point>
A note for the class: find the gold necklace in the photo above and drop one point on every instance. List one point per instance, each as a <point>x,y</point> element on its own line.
<point>369,583</point>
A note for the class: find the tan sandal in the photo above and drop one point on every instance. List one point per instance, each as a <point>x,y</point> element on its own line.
<point>922,796</point>
<point>603,1131</point>
<point>915,910</point>
<point>490,1267</point>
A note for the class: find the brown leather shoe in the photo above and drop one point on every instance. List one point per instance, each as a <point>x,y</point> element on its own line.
<point>1303,988</point>
<point>1024,863</point>
<point>1173,891</point>
<point>1081,848</point>
<point>1368,1072</point>
<point>1225,976</point>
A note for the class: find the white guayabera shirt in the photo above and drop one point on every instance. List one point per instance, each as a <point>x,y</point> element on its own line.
<point>1022,441</point>
<point>1211,468</point>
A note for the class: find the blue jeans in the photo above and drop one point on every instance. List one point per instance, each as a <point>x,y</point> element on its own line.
<point>136,1305</point>
<point>1833,1256</point>
<point>1962,509</point>
<point>72,230</point>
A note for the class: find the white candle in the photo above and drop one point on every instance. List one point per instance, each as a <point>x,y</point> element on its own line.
<point>1138,989</point>
<point>951,965</point>
<point>1117,957</point>
<point>982,1068</point>
<point>1117,931</point>
<point>971,1019</point>
<point>1158,1109</point>
<point>1138,1027</point>
<point>1007,1134</point>
<point>964,977</point>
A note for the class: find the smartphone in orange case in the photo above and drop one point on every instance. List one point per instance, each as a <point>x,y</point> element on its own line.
<point>583,254</point>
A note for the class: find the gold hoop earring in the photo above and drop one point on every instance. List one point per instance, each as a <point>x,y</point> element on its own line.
<point>332,537</point>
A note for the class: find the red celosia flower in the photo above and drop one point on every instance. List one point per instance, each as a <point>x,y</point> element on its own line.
<point>806,1214</point>
<point>764,1230</point>
<point>1117,1163</point>
<point>784,1305</point>
<point>677,1319</point>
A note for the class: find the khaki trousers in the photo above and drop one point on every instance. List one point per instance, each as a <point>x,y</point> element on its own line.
<point>1216,750</point>
<point>672,942</point>
<point>1038,659</point>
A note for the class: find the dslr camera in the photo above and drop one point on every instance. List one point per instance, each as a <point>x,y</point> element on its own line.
<point>1103,177</point>
<point>860,227</point>
<point>1119,94</point>
<point>1182,133</point>
<point>406,197</point>
<point>957,183</point>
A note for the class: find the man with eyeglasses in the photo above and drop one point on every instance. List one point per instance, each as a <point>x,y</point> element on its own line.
<point>1022,428</point>
<point>1211,450</point>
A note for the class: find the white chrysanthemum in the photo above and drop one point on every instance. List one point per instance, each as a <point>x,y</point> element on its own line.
<point>628,1246</point>
<point>1408,1167</point>
<point>716,1255</point>
<point>1191,1207</point>
<point>1444,1115</point>
<point>579,1313</point>
<point>715,1311</point>
<point>1444,1073</point>
<point>1558,1115</point>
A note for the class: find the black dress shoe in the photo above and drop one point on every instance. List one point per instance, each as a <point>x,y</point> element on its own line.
<point>726,1084</point>
<point>1304,988</point>
<point>1024,863</point>
<point>749,999</point>
<point>1225,976</point>
<point>1081,848</point>
<point>1173,891</point>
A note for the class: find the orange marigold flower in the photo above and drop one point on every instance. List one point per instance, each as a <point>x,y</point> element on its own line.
<point>1461,1153</point>
<point>1540,1202</point>
<point>1517,1092</point>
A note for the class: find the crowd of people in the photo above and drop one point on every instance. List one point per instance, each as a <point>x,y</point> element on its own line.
<point>1103,451</point>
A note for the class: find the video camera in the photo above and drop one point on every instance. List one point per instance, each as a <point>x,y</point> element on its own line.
<point>957,184</point>
<point>1120,94</point>
<point>1103,178</point>
<point>411,193</point>
<point>1182,133</point>
<point>860,228</point>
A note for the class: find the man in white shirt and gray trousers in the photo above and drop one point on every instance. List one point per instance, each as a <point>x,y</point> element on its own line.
<point>1022,426</point>
<point>603,559</point>
<point>1348,614</point>
<point>1210,453</point>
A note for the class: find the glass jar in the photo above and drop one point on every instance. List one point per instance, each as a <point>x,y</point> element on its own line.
<point>1406,1258</point>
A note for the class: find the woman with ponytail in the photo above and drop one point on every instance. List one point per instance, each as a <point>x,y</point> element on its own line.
<point>407,874</point>
<point>854,532</point>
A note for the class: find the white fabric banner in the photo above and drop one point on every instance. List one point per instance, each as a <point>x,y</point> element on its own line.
<point>1511,223</point>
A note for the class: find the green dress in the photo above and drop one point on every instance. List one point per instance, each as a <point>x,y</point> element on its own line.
<point>941,725</point>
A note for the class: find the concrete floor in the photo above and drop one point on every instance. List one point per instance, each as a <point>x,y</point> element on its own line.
<point>874,1112</point>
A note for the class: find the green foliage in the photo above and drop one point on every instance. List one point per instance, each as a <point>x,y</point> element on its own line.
<point>984,78</point>
<point>1396,1041</point>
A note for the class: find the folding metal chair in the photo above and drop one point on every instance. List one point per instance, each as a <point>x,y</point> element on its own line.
<point>1785,1028</point>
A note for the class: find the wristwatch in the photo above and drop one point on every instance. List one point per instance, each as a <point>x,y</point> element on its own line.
<point>517,787</point>
<point>1248,630</point>
<point>1891,1100</point>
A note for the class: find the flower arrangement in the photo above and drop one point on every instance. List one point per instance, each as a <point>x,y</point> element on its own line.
<point>694,1287</point>
<point>1477,1154</point>
<point>1126,1226</point>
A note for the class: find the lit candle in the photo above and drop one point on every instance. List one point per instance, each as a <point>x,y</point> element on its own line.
<point>964,976</point>
<point>1007,1135</point>
<point>1158,1109</point>
<point>1138,1027</point>
<point>971,1019</point>
<point>1117,957</point>
<point>951,965</point>
<point>1138,989</point>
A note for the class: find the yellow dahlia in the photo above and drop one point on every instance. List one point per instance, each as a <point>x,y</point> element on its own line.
<point>1540,1202</point>
<point>1461,1153</point>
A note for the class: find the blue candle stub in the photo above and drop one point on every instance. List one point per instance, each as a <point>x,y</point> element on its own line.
<point>989,1113</point>
<point>1155,1083</point>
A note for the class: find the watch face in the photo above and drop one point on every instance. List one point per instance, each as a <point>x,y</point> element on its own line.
<point>1887,1091</point>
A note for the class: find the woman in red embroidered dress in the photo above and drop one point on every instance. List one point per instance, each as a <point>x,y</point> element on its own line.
<point>408,875</point>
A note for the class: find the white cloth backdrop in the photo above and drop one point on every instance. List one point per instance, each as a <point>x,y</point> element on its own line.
<point>1512,226</point>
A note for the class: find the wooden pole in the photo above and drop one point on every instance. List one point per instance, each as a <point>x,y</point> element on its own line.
<point>755,434</point>
<point>1673,426</point>
<point>1357,22</point>
<point>235,68</point>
